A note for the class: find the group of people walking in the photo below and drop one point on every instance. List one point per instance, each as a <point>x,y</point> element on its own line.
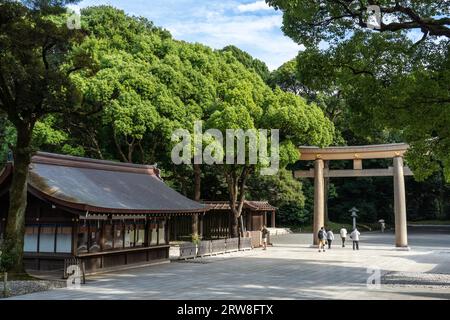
<point>327,237</point>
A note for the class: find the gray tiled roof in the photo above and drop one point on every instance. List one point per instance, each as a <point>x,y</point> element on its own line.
<point>105,186</point>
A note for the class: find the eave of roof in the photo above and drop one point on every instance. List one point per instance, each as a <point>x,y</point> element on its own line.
<point>79,162</point>
<point>99,186</point>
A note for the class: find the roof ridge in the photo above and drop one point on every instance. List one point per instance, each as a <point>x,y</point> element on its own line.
<point>74,161</point>
<point>252,204</point>
<point>93,160</point>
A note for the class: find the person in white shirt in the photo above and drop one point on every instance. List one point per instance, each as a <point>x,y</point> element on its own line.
<point>330,238</point>
<point>355,237</point>
<point>343,233</point>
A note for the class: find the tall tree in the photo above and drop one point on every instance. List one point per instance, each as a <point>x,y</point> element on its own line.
<point>249,62</point>
<point>283,191</point>
<point>310,22</point>
<point>388,77</point>
<point>35,67</point>
<point>297,122</point>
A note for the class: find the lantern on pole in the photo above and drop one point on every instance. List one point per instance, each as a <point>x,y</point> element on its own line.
<point>354,215</point>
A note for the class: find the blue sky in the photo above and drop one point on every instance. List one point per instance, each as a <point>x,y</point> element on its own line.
<point>248,24</point>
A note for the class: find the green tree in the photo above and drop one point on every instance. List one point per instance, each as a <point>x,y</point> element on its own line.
<point>7,137</point>
<point>249,62</point>
<point>387,80</point>
<point>310,22</point>
<point>282,191</point>
<point>35,65</point>
<point>298,122</point>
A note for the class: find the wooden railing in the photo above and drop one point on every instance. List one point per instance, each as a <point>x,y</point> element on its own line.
<point>218,246</point>
<point>245,244</point>
<point>204,248</point>
<point>188,250</point>
<point>232,245</point>
<point>213,247</point>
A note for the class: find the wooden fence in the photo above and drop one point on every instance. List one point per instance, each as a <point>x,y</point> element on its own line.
<point>213,247</point>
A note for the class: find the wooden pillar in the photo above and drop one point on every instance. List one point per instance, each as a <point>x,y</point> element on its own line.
<point>401,235</point>
<point>166,229</point>
<point>75,237</point>
<point>200,224</point>
<point>175,229</point>
<point>319,199</point>
<point>194,228</point>
<point>146,232</point>
<point>272,216</point>
<point>249,221</point>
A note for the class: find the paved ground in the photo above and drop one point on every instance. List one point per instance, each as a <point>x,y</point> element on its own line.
<point>289,270</point>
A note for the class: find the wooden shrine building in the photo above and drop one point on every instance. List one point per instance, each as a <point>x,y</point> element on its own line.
<point>104,213</point>
<point>216,222</point>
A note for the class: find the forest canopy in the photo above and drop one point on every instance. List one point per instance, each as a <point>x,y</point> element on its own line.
<point>378,85</point>
<point>140,85</point>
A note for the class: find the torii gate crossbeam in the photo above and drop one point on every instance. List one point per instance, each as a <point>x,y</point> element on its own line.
<point>395,151</point>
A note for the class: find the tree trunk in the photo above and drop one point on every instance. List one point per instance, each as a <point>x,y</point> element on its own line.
<point>234,223</point>
<point>232,192</point>
<point>131,146</point>
<point>236,188</point>
<point>15,228</point>
<point>119,148</point>
<point>197,197</point>
<point>441,198</point>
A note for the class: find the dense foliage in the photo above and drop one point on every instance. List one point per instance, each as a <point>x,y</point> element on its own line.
<point>150,84</point>
<point>145,85</point>
<point>377,85</point>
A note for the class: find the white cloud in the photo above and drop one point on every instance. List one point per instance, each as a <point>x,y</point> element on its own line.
<point>254,6</point>
<point>260,36</point>
<point>253,27</point>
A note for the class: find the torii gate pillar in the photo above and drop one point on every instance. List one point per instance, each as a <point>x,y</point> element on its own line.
<point>401,233</point>
<point>319,200</point>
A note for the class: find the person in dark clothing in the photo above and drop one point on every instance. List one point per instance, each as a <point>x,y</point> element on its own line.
<point>330,238</point>
<point>265,234</point>
<point>322,235</point>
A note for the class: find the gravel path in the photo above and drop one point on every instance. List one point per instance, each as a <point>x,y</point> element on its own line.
<point>20,287</point>
<point>417,279</point>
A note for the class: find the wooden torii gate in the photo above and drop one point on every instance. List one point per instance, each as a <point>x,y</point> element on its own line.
<point>358,154</point>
